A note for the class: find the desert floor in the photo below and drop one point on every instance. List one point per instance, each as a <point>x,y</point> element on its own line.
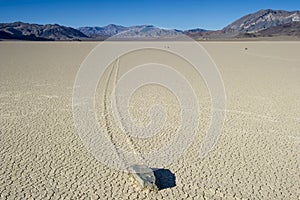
<point>257,155</point>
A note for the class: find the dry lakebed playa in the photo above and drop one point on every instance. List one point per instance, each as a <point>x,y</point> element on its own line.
<point>257,155</point>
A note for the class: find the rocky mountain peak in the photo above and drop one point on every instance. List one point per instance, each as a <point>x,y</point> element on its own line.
<point>261,20</point>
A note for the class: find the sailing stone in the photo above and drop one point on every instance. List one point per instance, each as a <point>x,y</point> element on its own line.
<point>144,176</point>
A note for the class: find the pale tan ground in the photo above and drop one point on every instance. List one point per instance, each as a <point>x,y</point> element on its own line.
<point>257,155</point>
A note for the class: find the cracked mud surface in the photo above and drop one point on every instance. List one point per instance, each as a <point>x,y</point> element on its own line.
<point>257,155</point>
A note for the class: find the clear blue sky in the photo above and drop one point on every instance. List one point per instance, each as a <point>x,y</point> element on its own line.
<point>183,14</point>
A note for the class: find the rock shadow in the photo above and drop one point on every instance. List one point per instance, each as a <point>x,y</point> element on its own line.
<point>164,178</point>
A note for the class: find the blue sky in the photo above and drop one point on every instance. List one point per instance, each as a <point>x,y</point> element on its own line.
<point>184,14</point>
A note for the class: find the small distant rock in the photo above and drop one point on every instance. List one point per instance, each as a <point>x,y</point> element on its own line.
<point>144,176</point>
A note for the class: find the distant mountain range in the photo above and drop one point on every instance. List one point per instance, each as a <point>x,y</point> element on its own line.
<point>142,31</point>
<point>261,20</point>
<point>25,31</point>
<point>290,29</point>
<point>263,23</point>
